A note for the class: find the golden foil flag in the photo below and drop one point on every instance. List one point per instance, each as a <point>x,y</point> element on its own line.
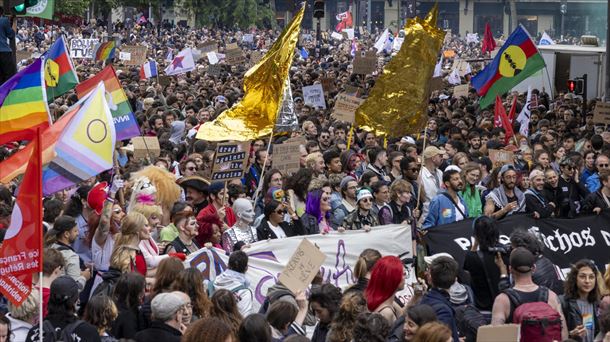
<point>255,115</point>
<point>397,104</point>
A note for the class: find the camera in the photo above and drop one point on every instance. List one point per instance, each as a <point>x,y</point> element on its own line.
<point>502,249</point>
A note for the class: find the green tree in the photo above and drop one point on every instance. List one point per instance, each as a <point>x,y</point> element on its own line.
<point>228,13</point>
<point>72,7</point>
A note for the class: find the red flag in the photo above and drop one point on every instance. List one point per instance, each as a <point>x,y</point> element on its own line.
<point>500,114</point>
<point>489,43</point>
<point>20,254</point>
<point>513,109</point>
<point>345,20</point>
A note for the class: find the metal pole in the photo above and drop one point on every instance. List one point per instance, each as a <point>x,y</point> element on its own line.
<point>607,92</point>
<point>368,16</point>
<point>562,22</point>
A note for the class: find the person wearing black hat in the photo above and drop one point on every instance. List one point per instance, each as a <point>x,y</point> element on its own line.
<point>522,266</point>
<point>196,191</point>
<point>61,318</point>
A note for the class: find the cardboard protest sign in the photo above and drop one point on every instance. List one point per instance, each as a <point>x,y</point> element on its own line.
<point>313,95</point>
<point>336,35</point>
<point>231,46</point>
<point>501,157</point>
<point>135,54</point>
<point>22,54</point>
<point>234,56</point>
<point>83,48</point>
<point>328,84</point>
<point>248,38</point>
<point>601,114</point>
<point>214,69</point>
<point>449,53</point>
<point>460,90</point>
<point>290,154</point>
<point>302,267</point>
<point>145,147</point>
<point>207,47</point>
<point>499,333</point>
<point>352,91</point>
<point>436,84</point>
<point>230,161</point>
<point>365,62</point>
<point>255,56</point>
<point>345,107</point>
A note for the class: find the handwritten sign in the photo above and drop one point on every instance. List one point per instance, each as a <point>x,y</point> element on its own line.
<point>214,70</point>
<point>136,54</point>
<point>22,55</point>
<point>499,333</point>
<point>302,267</point>
<point>436,83</point>
<point>290,153</point>
<point>365,62</point>
<point>207,47</point>
<point>601,114</point>
<point>230,161</point>
<point>234,56</point>
<point>313,95</point>
<point>352,91</point>
<point>461,90</point>
<point>83,48</point>
<point>336,35</point>
<point>145,147</point>
<point>248,38</point>
<point>328,84</point>
<point>345,107</point>
<point>501,157</point>
<point>255,56</point>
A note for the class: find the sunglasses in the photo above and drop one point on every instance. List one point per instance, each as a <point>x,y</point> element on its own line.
<point>281,212</point>
<point>365,200</point>
<point>116,211</point>
<point>191,168</point>
<point>416,169</point>
<point>603,165</point>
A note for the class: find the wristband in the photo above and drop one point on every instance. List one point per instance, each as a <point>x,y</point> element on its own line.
<point>110,199</point>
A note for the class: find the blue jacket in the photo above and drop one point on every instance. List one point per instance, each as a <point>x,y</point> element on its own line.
<point>6,32</point>
<point>442,211</point>
<point>439,301</point>
<point>593,183</point>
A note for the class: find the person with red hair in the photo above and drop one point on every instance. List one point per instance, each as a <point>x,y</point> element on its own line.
<point>209,230</point>
<point>387,278</point>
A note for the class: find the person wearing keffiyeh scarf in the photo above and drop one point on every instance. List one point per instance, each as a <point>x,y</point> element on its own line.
<point>506,199</point>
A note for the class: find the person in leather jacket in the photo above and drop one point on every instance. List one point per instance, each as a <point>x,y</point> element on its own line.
<point>580,302</point>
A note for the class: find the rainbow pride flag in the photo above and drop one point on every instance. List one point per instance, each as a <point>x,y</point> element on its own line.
<point>105,51</point>
<point>122,115</point>
<point>60,75</point>
<point>23,104</point>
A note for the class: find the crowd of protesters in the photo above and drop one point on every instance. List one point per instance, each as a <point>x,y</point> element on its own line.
<point>113,272</point>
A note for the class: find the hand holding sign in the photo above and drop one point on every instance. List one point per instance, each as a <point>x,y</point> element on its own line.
<point>302,267</point>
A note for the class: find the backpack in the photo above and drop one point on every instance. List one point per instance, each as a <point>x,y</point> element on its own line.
<point>468,320</point>
<point>539,321</point>
<point>50,334</point>
<point>270,299</point>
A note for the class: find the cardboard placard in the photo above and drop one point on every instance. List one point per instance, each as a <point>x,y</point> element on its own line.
<point>449,53</point>
<point>436,84</point>
<point>137,54</point>
<point>345,107</point>
<point>365,62</point>
<point>460,90</point>
<point>230,161</point>
<point>145,147</point>
<point>313,95</point>
<point>501,157</point>
<point>289,154</point>
<point>231,46</point>
<point>234,56</point>
<point>302,267</point>
<point>22,54</point>
<point>601,114</point>
<point>214,70</point>
<point>208,47</point>
<point>499,333</point>
<point>336,35</point>
<point>352,91</point>
<point>328,84</point>
<point>83,48</point>
<point>255,56</point>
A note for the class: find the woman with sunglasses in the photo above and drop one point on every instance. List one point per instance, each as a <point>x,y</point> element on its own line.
<point>363,217</point>
<point>580,302</point>
<point>273,225</point>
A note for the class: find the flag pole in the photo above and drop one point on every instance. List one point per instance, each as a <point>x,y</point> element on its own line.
<point>260,180</point>
<point>40,238</point>
<point>421,166</point>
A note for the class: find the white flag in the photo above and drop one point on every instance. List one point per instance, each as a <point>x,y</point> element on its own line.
<point>438,68</point>
<point>454,77</point>
<point>524,116</point>
<point>182,63</point>
<point>546,40</point>
<point>380,43</point>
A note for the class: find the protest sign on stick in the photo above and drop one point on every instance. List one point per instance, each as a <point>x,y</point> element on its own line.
<point>365,62</point>
<point>460,90</point>
<point>302,267</point>
<point>230,161</point>
<point>501,157</point>
<point>145,147</point>
<point>601,114</point>
<point>313,95</point>
<point>83,48</point>
<point>133,54</point>
<point>345,107</point>
<point>289,163</point>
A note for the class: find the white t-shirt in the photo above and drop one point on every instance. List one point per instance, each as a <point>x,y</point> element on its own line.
<point>279,232</point>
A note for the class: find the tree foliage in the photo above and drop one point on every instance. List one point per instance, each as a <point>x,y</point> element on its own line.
<point>72,7</point>
<point>228,14</point>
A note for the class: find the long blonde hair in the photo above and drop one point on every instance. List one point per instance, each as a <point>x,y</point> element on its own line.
<point>131,225</point>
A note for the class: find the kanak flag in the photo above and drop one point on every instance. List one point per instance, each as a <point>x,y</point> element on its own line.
<point>20,254</point>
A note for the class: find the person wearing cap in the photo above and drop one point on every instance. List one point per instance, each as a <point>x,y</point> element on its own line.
<point>571,191</point>
<point>218,205</point>
<point>431,176</point>
<point>196,191</point>
<point>449,206</point>
<point>62,314</point>
<point>348,187</point>
<point>535,201</point>
<point>507,198</point>
<point>522,265</point>
<point>362,217</point>
<point>167,312</point>
<point>63,234</point>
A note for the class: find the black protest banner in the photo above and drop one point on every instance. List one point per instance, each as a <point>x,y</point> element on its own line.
<point>566,240</point>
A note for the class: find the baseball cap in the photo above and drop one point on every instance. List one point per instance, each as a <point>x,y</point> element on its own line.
<point>407,140</point>
<point>64,289</point>
<point>431,258</point>
<point>165,305</point>
<point>505,168</point>
<point>522,260</point>
<point>345,181</point>
<point>432,151</point>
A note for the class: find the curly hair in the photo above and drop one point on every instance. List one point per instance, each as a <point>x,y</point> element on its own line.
<point>299,183</point>
<point>206,229</point>
<point>371,327</point>
<point>101,312</point>
<point>189,281</point>
<point>432,332</point>
<point>571,283</point>
<point>341,329</point>
<point>224,306</point>
<point>210,329</point>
